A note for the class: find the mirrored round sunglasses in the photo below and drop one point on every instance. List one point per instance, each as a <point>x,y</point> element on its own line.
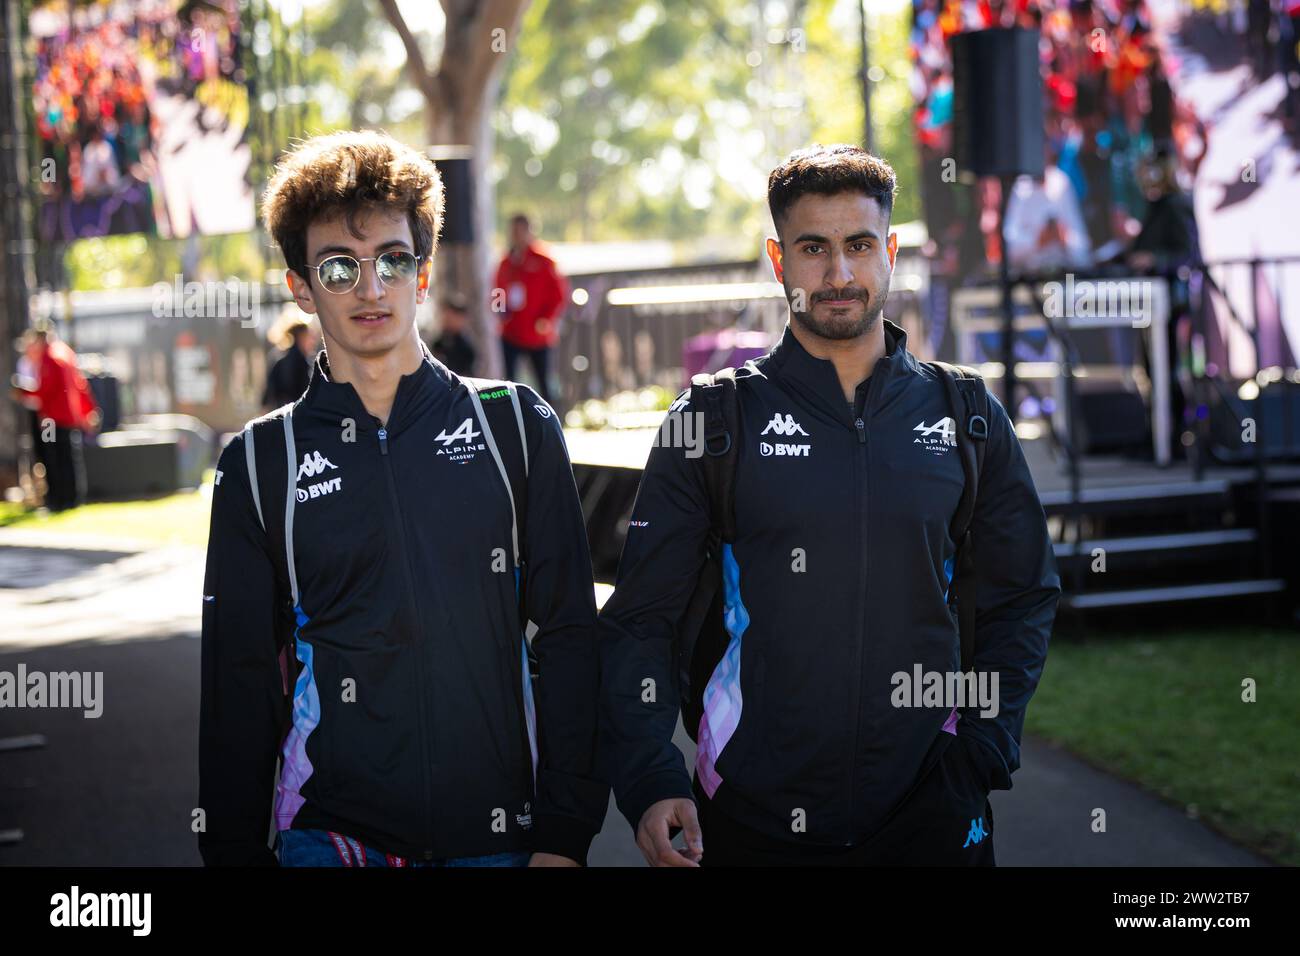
<point>340,274</point>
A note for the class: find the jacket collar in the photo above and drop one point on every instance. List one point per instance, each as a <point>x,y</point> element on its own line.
<point>816,379</point>
<point>340,398</point>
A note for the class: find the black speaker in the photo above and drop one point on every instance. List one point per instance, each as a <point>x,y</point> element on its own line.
<point>997,103</point>
<point>458,194</point>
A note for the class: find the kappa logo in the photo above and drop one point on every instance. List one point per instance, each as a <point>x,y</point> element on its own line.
<point>939,437</point>
<point>786,426</point>
<point>313,464</point>
<point>464,433</point>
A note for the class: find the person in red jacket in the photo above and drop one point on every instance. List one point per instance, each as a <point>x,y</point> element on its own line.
<point>64,409</point>
<point>534,294</point>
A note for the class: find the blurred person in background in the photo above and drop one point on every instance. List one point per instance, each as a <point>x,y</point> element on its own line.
<point>64,409</point>
<point>452,347</point>
<point>535,294</point>
<point>289,370</point>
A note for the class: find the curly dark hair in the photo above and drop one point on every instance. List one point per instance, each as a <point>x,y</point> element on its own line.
<point>349,173</point>
<point>826,171</point>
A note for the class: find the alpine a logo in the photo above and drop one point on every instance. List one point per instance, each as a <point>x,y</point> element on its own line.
<point>937,438</point>
<point>461,445</point>
<point>786,426</point>
<point>464,433</point>
<point>313,464</point>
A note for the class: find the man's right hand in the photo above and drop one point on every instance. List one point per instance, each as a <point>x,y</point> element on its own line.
<point>652,833</point>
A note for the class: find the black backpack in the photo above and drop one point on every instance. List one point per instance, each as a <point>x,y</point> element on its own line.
<point>702,637</point>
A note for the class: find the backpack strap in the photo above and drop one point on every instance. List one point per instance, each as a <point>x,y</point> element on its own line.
<point>501,416</point>
<point>716,398</point>
<point>969,403</point>
<point>496,403</point>
<point>276,434</point>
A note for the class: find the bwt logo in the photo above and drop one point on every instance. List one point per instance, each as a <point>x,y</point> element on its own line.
<point>786,426</point>
<point>782,449</point>
<point>320,488</point>
<point>313,464</point>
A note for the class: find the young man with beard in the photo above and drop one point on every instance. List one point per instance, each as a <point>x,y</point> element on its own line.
<point>835,582</point>
<point>374,530</point>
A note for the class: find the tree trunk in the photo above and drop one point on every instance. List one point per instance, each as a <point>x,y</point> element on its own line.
<point>459,98</point>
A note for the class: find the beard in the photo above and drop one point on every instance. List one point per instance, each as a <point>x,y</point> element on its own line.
<point>845,326</point>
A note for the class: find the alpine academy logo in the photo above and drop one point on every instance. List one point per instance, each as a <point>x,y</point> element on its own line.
<point>464,433</point>
<point>313,464</point>
<point>937,438</point>
<point>788,426</point>
<point>462,444</point>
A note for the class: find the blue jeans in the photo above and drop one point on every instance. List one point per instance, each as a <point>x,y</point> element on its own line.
<point>325,848</point>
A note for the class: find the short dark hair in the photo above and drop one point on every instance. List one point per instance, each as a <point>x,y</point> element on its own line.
<point>520,217</point>
<point>347,173</point>
<point>827,171</point>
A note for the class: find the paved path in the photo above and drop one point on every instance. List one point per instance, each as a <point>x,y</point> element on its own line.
<point>120,789</point>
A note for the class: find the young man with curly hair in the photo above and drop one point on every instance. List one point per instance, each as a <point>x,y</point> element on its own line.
<point>377,564</point>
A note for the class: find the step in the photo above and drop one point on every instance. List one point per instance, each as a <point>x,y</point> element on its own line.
<point>1174,495</point>
<point>1158,542</point>
<point>1098,600</point>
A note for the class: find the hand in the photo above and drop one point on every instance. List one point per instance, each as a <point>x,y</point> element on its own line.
<point>551,859</point>
<point>652,833</point>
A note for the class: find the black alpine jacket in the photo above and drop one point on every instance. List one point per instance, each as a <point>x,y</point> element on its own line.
<point>836,582</point>
<point>413,721</point>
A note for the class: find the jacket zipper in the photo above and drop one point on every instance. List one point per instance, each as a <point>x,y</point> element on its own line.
<point>419,656</point>
<point>859,423</point>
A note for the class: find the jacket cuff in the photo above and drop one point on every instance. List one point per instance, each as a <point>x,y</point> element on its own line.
<point>562,836</point>
<point>664,785</point>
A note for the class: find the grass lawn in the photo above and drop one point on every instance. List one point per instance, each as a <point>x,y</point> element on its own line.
<point>1166,712</point>
<point>181,518</point>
